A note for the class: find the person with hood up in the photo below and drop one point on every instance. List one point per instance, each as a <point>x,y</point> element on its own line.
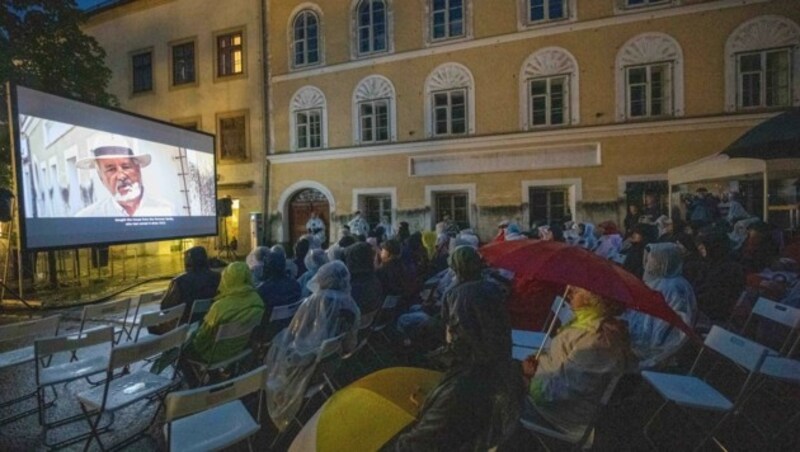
<point>301,248</point>
<point>569,379</point>
<point>477,403</point>
<point>717,279</point>
<point>196,283</point>
<point>313,261</point>
<point>610,241</point>
<point>358,225</point>
<point>588,240</point>
<point>255,260</point>
<point>501,232</point>
<point>330,311</point>
<point>760,249</point>
<point>739,233</point>
<point>366,288</point>
<point>237,302</point>
<point>429,242</point>
<point>642,235</point>
<point>277,289</point>
<point>655,340</point>
<point>513,232</point>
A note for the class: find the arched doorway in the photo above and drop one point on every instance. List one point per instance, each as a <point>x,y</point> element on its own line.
<point>301,205</point>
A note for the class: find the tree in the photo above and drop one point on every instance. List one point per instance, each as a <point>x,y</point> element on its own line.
<point>43,47</point>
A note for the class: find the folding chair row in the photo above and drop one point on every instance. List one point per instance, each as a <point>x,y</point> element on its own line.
<point>17,341</point>
<point>784,315</point>
<point>115,312</point>
<point>171,315</point>
<point>228,331</point>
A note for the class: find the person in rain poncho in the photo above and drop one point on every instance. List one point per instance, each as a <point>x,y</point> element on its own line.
<point>255,261</point>
<point>654,340</point>
<point>358,225</point>
<point>569,379</point>
<point>429,242</point>
<point>476,404</point>
<point>610,241</point>
<point>513,232</point>
<point>739,233</point>
<point>388,231</point>
<point>238,302</point>
<point>588,239</point>
<point>316,228</point>
<point>277,289</point>
<point>314,260</point>
<point>329,312</point>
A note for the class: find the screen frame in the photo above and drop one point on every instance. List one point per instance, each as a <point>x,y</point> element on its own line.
<point>16,164</point>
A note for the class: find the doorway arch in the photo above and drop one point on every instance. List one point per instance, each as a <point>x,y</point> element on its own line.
<point>293,193</point>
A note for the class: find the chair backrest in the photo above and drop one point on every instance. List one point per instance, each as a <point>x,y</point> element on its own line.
<point>160,317</point>
<point>743,352</point>
<point>71,342</point>
<point>130,353</point>
<point>103,310</point>
<point>330,347</point>
<point>46,327</point>
<point>234,330</point>
<point>199,308</point>
<point>390,302</point>
<point>367,319</point>
<point>180,404</point>
<point>284,312</point>
<point>777,312</point>
<point>564,314</point>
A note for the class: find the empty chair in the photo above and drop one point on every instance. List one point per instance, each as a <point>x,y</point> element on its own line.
<point>51,370</point>
<point>782,314</point>
<point>113,312</point>
<point>228,331</point>
<point>20,336</point>
<point>159,318</point>
<point>136,304</point>
<point>688,392</point>
<point>213,417</point>
<point>126,389</point>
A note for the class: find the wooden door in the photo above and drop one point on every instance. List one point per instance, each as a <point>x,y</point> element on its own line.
<point>300,208</point>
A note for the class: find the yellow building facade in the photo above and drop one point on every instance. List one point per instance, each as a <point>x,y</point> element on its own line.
<point>198,64</point>
<point>528,110</point>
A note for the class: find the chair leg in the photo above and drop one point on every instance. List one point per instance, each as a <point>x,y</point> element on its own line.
<point>710,435</point>
<point>94,433</point>
<point>650,422</point>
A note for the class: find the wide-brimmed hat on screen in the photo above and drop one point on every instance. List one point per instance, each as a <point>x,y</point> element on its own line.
<point>112,146</point>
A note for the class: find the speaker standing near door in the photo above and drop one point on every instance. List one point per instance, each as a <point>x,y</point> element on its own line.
<point>224,207</point>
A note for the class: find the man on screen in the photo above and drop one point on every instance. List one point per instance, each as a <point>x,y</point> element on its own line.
<point>120,170</point>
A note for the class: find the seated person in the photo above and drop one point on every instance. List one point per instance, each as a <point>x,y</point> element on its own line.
<point>255,260</point>
<point>654,340</point>
<point>394,276</point>
<point>329,312</point>
<point>277,289</point>
<point>196,283</point>
<point>237,301</point>
<point>315,259</point>
<point>366,289</point>
<point>569,379</point>
<point>476,404</point>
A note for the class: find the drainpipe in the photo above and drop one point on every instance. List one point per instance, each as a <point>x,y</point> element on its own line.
<point>267,119</point>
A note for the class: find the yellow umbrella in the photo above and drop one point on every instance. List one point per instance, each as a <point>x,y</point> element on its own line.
<point>367,413</point>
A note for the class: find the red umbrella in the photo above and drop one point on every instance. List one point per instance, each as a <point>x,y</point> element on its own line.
<point>559,263</point>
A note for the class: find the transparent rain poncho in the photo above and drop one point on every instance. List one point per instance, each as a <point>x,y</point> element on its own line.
<point>255,261</point>
<point>328,312</point>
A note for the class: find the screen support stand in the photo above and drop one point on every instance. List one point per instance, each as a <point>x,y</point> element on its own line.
<point>9,250</point>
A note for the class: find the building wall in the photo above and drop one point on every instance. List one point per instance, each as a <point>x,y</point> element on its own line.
<point>494,54</point>
<point>157,24</point>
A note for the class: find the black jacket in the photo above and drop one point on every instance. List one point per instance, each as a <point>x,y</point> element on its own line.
<point>198,282</point>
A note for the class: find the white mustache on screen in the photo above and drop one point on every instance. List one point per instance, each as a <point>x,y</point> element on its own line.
<point>134,191</point>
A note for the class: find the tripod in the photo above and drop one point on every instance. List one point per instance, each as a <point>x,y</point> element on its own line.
<point>225,251</point>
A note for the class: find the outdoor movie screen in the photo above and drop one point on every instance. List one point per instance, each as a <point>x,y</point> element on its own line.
<point>88,175</point>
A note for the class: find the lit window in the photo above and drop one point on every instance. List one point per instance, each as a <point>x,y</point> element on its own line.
<point>371,26</point>
<point>764,79</point>
<point>649,90</point>
<point>306,39</point>
<point>447,19</point>
<point>549,101</point>
<point>230,54</point>
<point>450,112</point>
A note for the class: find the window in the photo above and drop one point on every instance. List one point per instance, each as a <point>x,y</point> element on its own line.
<point>305,42</point>
<point>183,64</point>
<point>372,26</point>
<point>637,3</point>
<point>374,121</point>
<point>230,54</point>
<point>377,208</point>
<point>548,205</point>
<point>452,205</point>
<point>142,72</point>
<point>450,112</point>
<point>541,10</point>
<point>447,19</point>
<point>308,119</point>
<point>649,91</point>
<point>233,137</point>
<point>764,79</point>
<point>549,101</point>
<point>309,129</point>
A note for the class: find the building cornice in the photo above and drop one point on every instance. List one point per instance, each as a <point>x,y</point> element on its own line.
<point>559,28</point>
<point>528,139</point>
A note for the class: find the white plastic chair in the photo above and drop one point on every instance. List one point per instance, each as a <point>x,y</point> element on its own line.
<point>74,368</point>
<point>537,339</point>
<point>200,308</point>
<point>214,417</point>
<point>586,439</point>
<point>688,392</point>
<point>113,312</point>
<point>158,318</point>
<point>132,320</point>
<point>779,313</point>
<point>228,331</point>
<point>17,334</point>
<point>122,391</point>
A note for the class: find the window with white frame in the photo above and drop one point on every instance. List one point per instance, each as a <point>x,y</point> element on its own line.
<point>305,39</point>
<point>449,112</point>
<point>762,59</point>
<point>544,10</point>
<point>308,119</point>
<point>449,109</point>
<point>549,100</point>
<point>649,90</point>
<point>649,77</point>
<point>372,26</point>
<point>447,19</point>
<point>377,208</point>
<point>641,3</point>
<point>764,79</point>
<point>548,205</point>
<point>308,124</point>
<point>452,206</point>
<point>373,111</point>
